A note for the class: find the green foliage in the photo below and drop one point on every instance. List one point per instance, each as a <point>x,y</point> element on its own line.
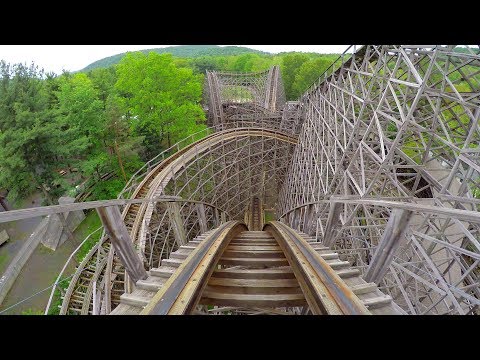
<point>103,79</point>
<point>290,65</point>
<point>32,312</point>
<point>188,51</point>
<point>307,73</point>
<point>34,143</point>
<point>91,223</point>
<point>79,104</point>
<point>108,189</point>
<point>269,216</point>
<point>3,260</point>
<point>161,100</point>
<point>57,297</point>
<point>108,121</point>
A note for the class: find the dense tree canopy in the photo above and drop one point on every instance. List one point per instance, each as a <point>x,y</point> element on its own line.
<point>308,72</point>
<point>290,65</point>
<point>161,99</point>
<point>34,142</point>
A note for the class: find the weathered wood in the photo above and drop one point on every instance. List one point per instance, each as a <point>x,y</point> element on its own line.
<point>179,295</point>
<point>115,227</point>
<point>377,302</point>
<point>332,222</point>
<point>285,273</point>
<point>237,247</point>
<point>258,283</point>
<point>391,240</point>
<point>218,220</point>
<point>229,253</point>
<point>28,213</point>
<point>363,288</point>
<point>262,262</point>
<point>4,237</point>
<point>202,218</point>
<point>324,290</point>
<point>253,300</point>
<point>176,220</point>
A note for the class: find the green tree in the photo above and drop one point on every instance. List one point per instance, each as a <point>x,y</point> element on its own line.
<point>202,64</point>
<point>290,65</point>
<point>160,100</point>
<point>308,73</point>
<point>118,154</point>
<point>103,80</point>
<point>79,104</point>
<point>91,103</point>
<point>34,145</point>
<point>245,62</point>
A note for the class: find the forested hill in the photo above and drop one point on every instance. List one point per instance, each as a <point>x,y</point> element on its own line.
<point>188,51</point>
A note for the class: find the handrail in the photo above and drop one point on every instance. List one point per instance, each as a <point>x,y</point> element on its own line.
<point>21,214</point>
<point>247,127</point>
<point>468,215</point>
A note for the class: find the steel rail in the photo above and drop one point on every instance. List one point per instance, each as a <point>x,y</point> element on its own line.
<point>324,290</point>
<point>182,291</point>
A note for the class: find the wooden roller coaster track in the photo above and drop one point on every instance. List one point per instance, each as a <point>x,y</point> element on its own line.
<point>230,270</point>
<point>372,175</point>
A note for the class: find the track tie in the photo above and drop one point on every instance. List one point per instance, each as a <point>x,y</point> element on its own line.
<point>376,302</point>
<point>364,288</point>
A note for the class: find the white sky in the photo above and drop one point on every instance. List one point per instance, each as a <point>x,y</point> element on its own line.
<point>75,57</point>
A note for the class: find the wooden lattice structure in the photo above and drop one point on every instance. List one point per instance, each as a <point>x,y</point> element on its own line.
<point>378,160</point>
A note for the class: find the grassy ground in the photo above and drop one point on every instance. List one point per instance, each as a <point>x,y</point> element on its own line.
<point>88,225</point>
<point>3,259</point>
<point>32,312</point>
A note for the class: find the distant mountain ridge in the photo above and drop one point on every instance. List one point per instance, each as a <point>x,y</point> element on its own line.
<point>180,51</point>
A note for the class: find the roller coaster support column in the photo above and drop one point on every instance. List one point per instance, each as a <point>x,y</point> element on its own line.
<point>118,232</point>
<point>177,223</point>
<point>391,239</point>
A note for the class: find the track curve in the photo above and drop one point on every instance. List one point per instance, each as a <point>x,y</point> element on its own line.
<point>78,297</point>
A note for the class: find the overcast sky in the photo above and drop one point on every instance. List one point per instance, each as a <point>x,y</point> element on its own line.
<point>75,57</point>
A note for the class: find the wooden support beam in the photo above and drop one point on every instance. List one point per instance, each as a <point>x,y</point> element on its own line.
<point>308,227</point>
<point>115,227</point>
<point>217,217</point>
<point>202,218</point>
<point>332,222</point>
<point>391,240</point>
<point>177,223</point>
